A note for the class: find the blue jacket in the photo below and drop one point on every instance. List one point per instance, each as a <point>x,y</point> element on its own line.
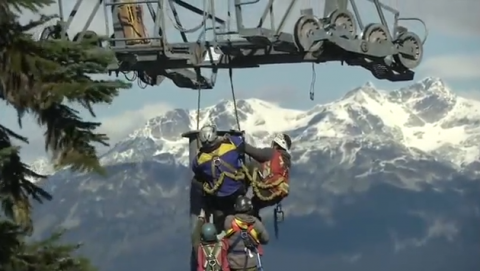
<point>227,152</point>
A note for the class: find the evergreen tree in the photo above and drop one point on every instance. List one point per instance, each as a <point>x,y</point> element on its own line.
<point>42,78</point>
<point>46,255</point>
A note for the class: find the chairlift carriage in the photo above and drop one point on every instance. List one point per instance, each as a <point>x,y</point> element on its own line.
<point>338,35</point>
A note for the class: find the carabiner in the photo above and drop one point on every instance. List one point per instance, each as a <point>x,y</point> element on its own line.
<point>278,217</point>
<point>279,214</point>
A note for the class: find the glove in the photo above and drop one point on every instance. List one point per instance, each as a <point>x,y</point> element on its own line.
<point>241,147</point>
<point>202,214</point>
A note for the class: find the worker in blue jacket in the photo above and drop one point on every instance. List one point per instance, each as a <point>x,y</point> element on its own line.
<point>220,169</point>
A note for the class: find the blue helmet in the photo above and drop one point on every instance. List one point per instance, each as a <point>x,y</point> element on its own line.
<point>209,232</point>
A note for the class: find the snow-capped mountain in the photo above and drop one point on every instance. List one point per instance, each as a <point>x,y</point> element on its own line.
<point>378,178</point>
<point>426,119</point>
<point>42,166</point>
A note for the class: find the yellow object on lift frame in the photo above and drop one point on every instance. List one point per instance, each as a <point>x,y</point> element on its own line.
<point>131,18</point>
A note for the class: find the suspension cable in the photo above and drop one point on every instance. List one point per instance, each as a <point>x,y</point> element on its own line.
<point>312,83</point>
<point>230,75</point>
<point>199,104</point>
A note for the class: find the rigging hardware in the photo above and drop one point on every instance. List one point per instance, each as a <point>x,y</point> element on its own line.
<point>278,218</point>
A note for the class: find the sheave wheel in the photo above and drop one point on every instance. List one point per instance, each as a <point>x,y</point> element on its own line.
<point>413,44</point>
<point>376,33</point>
<point>303,29</point>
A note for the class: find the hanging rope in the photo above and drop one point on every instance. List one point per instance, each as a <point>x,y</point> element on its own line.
<point>199,104</point>
<point>230,69</point>
<point>312,83</point>
<point>230,74</point>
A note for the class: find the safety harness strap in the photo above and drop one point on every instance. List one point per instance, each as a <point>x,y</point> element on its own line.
<point>250,247</point>
<point>232,173</point>
<point>211,257</point>
<point>258,183</point>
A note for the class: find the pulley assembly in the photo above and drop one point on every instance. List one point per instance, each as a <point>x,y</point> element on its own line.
<point>335,38</point>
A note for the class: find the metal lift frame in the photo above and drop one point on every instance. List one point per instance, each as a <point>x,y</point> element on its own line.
<point>314,40</point>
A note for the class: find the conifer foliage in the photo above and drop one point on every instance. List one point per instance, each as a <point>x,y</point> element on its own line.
<point>43,79</point>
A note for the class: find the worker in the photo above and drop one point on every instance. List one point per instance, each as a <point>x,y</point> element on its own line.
<point>271,175</point>
<point>245,235</point>
<point>211,251</point>
<point>219,168</point>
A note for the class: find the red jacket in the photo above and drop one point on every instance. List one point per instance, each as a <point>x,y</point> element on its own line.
<point>221,256</point>
<point>276,173</point>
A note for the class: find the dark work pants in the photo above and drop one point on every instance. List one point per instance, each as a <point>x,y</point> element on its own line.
<point>222,206</point>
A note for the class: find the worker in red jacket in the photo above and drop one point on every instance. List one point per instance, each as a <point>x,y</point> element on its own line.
<point>271,175</point>
<point>210,250</point>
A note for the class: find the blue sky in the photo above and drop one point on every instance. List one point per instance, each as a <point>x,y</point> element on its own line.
<point>451,52</point>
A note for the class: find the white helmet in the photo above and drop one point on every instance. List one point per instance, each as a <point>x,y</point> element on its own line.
<point>208,134</point>
<point>283,141</point>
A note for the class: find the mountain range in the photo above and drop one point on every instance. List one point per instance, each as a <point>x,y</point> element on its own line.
<point>381,180</point>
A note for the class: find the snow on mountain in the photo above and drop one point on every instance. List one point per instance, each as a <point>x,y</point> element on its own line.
<point>42,166</point>
<point>426,118</point>
<point>161,135</point>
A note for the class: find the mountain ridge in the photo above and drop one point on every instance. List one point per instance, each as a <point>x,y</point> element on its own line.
<point>411,120</point>
<point>367,192</point>
<point>426,116</point>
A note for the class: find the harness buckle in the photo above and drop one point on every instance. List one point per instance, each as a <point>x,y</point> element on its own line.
<point>216,161</point>
<point>212,262</point>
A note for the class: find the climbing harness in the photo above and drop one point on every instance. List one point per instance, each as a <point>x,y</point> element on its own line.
<point>212,254</point>
<point>278,218</point>
<point>257,184</point>
<point>232,173</point>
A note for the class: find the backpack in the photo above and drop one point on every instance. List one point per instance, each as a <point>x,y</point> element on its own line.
<point>247,235</point>
<point>210,257</point>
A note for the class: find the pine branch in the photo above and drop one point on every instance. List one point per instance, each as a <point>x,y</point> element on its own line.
<point>71,139</point>
<point>41,76</point>
<point>10,235</point>
<point>47,254</point>
<point>20,5</point>
<point>6,133</point>
<point>15,189</point>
